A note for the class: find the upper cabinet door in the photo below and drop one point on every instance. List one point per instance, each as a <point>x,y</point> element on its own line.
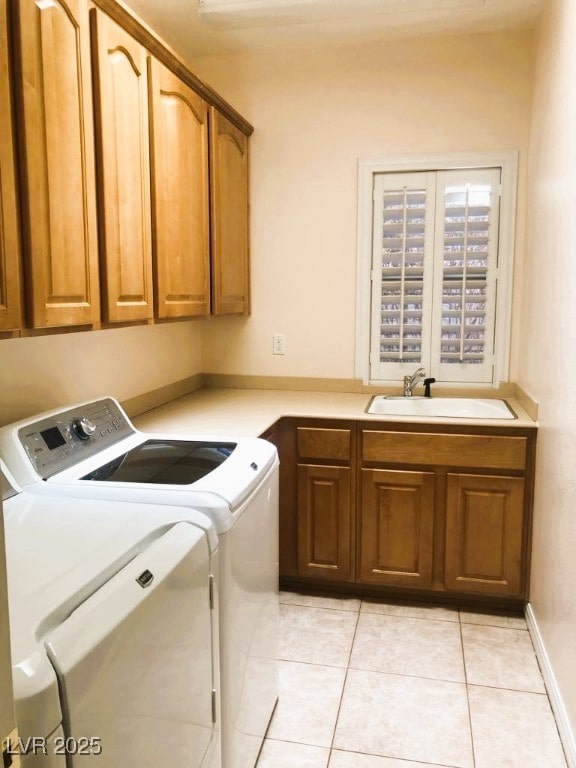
<point>57,144</point>
<point>229,203</point>
<point>180,202</point>
<point>10,305</point>
<point>121,108</point>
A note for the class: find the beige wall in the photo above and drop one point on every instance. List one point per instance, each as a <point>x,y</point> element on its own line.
<point>548,343</point>
<point>43,372</point>
<point>315,113</point>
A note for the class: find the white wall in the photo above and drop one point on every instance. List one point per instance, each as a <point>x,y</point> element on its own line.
<point>547,361</point>
<point>315,113</point>
<point>42,372</point>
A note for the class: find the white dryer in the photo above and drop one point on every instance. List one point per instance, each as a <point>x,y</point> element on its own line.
<point>92,451</point>
<point>114,632</point>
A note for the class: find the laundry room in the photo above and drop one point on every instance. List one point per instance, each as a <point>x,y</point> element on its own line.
<point>231,286</point>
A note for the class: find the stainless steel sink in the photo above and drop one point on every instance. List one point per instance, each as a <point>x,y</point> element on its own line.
<point>447,407</point>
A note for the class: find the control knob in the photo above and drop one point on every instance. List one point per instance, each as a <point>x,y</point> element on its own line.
<point>84,428</point>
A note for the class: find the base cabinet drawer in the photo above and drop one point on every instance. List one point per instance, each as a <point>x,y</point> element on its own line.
<point>484,534</point>
<point>396,527</point>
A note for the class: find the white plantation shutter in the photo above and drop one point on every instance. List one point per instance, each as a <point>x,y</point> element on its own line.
<point>403,241</point>
<point>466,244</point>
<point>434,274</point>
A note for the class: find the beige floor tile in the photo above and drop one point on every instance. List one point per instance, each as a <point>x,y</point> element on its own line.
<point>339,759</point>
<point>493,620</point>
<point>284,754</point>
<point>513,729</point>
<point>316,635</point>
<point>406,718</point>
<point>502,658</point>
<point>416,611</point>
<point>308,702</point>
<point>407,646</point>
<point>319,601</point>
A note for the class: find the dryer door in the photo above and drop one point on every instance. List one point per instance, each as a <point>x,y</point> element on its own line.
<point>134,662</point>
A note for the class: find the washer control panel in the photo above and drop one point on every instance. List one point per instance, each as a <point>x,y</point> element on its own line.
<point>57,442</point>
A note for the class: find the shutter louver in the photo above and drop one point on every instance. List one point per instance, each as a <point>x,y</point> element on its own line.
<point>466,223</point>
<point>402,238</point>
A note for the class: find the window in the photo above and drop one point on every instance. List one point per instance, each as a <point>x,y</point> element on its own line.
<point>434,271</point>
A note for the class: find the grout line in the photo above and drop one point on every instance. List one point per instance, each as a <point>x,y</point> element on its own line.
<point>319,607</point>
<point>343,687</point>
<point>406,760</point>
<point>467,690</point>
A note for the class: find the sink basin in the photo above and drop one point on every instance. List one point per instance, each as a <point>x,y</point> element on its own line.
<point>447,407</point>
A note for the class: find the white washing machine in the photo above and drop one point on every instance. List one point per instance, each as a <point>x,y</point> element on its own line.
<point>92,451</point>
<point>114,633</point>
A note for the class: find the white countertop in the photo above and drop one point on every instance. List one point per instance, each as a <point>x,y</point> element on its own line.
<point>249,412</point>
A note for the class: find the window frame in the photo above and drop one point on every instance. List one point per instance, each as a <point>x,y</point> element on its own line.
<point>507,161</point>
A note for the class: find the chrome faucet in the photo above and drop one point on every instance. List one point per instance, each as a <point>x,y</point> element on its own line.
<point>411,381</point>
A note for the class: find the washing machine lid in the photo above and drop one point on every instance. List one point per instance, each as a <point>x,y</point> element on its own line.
<point>108,450</point>
<point>58,553</point>
<point>230,470</point>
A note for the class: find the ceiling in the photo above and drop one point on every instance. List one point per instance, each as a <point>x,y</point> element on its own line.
<point>301,24</point>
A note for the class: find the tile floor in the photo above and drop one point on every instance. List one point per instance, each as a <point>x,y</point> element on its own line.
<point>367,684</point>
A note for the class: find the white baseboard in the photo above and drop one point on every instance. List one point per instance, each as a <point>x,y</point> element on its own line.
<point>556,701</point>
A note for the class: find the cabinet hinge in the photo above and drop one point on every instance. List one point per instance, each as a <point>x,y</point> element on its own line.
<point>213,705</point>
<point>211,591</point>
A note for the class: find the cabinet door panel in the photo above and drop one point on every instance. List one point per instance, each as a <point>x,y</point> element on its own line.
<point>484,534</point>
<point>396,528</point>
<point>180,203</point>
<point>10,304</point>
<point>324,522</point>
<point>55,108</point>
<point>229,208</point>
<point>121,99</point>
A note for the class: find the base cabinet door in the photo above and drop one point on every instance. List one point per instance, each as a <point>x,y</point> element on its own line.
<point>484,534</point>
<point>396,524</point>
<point>325,532</point>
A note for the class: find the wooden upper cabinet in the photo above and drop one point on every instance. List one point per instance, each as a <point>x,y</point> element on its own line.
<point>54,101</point>
<point>10,304</point>
<point>229,209</point>
<point>119,66</point>
<point>180,199</point>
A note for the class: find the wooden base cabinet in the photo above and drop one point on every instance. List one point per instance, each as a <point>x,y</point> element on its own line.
<point>324,502</point>
<point>407,509</point>
<point>484,534</point>
<point>396,527</point>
